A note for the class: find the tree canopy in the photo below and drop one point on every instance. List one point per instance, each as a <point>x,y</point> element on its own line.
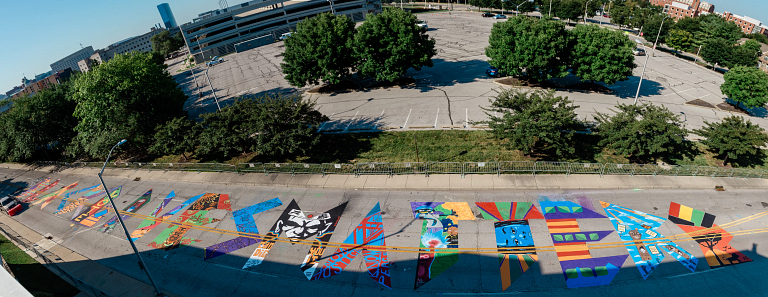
<point>177,136</point>
<point>733,138</point>
<point>533,121</point>
<point>680,40</point>
<point>320,49</point>
<point>601,54</point>
<point>125,98</point>
<point>389,43</point>
<point>747,85</point>
<point>165,44</point>
<point>643,131</point>
<point>528,46</point>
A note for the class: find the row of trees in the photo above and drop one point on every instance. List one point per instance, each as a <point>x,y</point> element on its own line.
<point>521,6</point>
<point>542,49</point>
<point>134,97</point>
<point>540,122</point>
<point>165,44</point>
<point>329,48</point>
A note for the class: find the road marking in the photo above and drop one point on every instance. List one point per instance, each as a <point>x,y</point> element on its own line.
<point>323,125</point>
<point>377,120</point>
<point>678,93</point>
<point>351,120</point>
<point>406,119</point>
<point>466,118</point>
<point>438,114</point>
<point>699,272</point>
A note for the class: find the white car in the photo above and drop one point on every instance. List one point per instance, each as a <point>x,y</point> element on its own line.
<point>285,36</point>
<point>638,52</point>
<point>214,61</point>
<point>422,24</point>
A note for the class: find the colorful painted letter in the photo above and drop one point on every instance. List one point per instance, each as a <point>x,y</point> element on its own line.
<point>245,224</point>
<point>149,224</point>
<point>66,197</point>
<point>639,230</point>
<point>712,239</point>
<point>93,214</point>
<point>369,233</point>
<point>132,208</point>
<point>513,237</point>
<point>173,236</point>
<point>579,268</point>
<point>298,226</point>
<point>439,236</point>
<point>33,195</point>
<point>47,199</point>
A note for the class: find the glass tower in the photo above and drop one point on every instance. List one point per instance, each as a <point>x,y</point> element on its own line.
<point>165,12</point>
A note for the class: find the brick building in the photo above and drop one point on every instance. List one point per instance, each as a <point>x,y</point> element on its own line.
<point>747,24</point>
<point>679,9</point>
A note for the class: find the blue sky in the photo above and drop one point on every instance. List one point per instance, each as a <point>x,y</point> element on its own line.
<point>36,33</point>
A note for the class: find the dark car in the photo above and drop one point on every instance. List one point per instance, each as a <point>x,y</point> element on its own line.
<point>493,71</point>
<point>486,15</point>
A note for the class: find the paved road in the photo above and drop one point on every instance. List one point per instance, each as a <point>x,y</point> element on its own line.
<point>184,271</point>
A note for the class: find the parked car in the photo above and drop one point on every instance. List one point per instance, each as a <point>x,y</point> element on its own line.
<point>493,71</point>
<point>214,61</point>
<point>10,206</point>
<point>486,14</point>
<point>499,16</point>
<point>422,24</point>
<point>638,52</point>
<point>285,36</point>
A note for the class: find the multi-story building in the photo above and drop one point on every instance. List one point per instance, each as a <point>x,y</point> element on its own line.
<point>71,60</point>
<point>762,60</point>
<point>138,43</point>
<point>13,91</point>
<point>747,24</point>
<point>215,33</point>
<point>679,9</point>
<point>167,15</point>
<point>31,87</point>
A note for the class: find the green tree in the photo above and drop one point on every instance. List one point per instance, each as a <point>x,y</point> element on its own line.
<point>642,132</point>
<point>177,136</point>
<point>522,6</point>
<point>717,51</point>
<point>533,121</point>
<point>125,98</point>
<point>745,54</point>
<point>528,46</point>
<point>758,37</point>
<point>568,9</point>
<point>621,15</point>
<point>39,125</point>
<point>652,26</point>
<point>271,125</point>
<point>691,25</point>
<point>713,26</point>
<point>320,49</point>
<point>747,85</point>
<point>601,54</point>
<point>733,138</point>
<point>165,44</point>
<point>389,43</point>
<point>680,40</point>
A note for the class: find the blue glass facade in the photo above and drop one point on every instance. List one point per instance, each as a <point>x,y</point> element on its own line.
<point>165,12</point>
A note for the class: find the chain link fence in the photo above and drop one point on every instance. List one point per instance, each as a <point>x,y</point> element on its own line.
<point>49,258</point>
<point>426,168</point>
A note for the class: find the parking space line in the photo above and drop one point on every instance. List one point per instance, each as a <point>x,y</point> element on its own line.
<point>326,122</point>
<point>466,118</point>
<point>377,120</point>
<point>438,114</point>
<point>406,119</point>
<point>352,120</point>
<point>679,92</point>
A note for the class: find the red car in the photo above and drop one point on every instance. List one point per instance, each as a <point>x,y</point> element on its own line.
<point>10,205</point>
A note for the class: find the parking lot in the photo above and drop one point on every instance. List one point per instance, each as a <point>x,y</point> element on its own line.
<point>451,94</point>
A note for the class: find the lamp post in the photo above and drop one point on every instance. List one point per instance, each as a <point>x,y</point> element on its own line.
<point>643,74</point>
<point>653,53</point>
<point>334,12</point>
<point>214,92</point>
<point>550,8</point>
<point>517,6</point>
<point>697,55</point>
<point>142,265</point>
<point>585,11</point>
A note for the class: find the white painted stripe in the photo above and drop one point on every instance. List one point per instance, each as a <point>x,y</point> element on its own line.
<point>438,114</point>
<point>466,118</point>
<point>323,125</point>
<point>406,119</point>
<point>379,119</point>
<point>351,120</point>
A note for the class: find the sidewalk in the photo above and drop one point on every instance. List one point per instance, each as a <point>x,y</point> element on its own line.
<point>89,276</point>
<point>435,181</point>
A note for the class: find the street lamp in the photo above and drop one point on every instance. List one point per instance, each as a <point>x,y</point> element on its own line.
<point>653,53</point>
<point>334,12</point>
<point>585,11</point>
<point>517,7</point>
<point>119,217</point>
<point>643,74</point>
<point>550,8</point>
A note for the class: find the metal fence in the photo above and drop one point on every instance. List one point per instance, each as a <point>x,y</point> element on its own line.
<point>427,168</point>
<point>49,258</point>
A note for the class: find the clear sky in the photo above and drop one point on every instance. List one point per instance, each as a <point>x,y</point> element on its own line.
<point>36,33</point>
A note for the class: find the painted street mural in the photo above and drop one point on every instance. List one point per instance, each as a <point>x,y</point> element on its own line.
<point>80,201</point>
<point>370,233</point>
<point>638,229</point>
<point>245,224</point>
<point>149,224</point>
<point>32,196</point>
<point>173,236</point>
<point>439,234</point>
<point>298,225</point>
<point>713,240</point>
<point>34,189</point>
<point>66,196</point>
<point>132,208</point>
<point>47,199</point>
<point>579,267</point>
<point>513,237</point>
<point>96,211</point>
